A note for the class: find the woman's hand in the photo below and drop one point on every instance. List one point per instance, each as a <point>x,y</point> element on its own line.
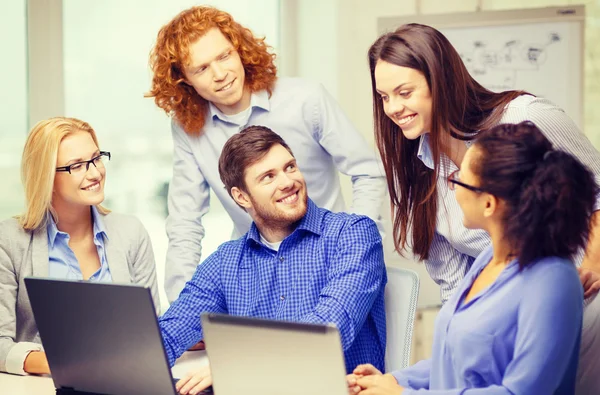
<point>36,363</point>
<point>360,371</point>
<point>385,384</point>
<point>590,281</point>
<point>194,382</point>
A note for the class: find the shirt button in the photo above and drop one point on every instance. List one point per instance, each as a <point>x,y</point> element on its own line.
<point>282,298</point>
<point>281,258</point>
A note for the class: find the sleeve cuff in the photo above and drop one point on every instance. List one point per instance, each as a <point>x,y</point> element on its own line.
<point>16,356</point>
<point>400,378</point>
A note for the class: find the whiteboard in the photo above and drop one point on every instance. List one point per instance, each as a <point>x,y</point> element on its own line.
<point>536,50</point>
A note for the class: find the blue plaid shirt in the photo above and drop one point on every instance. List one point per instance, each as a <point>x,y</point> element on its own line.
<point>329,270</point>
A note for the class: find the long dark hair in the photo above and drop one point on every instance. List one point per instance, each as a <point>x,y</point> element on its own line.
<point>460,108</point>
<point>549,194</point>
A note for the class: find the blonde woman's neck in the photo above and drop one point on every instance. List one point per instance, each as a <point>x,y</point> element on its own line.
<point>77,222</point>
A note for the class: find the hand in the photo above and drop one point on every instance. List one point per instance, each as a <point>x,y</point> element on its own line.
<point>590,281</point>
<point>385,384</point>
<point>198,346</point>
<point>36,363</point>
<point>360,371</point>
<point>194,382</point>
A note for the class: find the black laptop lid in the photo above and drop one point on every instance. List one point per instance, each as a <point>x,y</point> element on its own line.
<point>100,338</point>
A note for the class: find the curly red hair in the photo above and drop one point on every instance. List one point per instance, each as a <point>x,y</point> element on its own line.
<point>171,53</point>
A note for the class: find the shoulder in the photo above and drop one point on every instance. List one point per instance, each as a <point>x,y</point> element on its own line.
<point>11,226</point>
<point>550,275</point>
<point>529,108</point>
<point>11,230</point>
<point>358,227</point>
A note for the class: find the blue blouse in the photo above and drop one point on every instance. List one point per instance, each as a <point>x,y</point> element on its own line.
<point>62,262</point>
<point>520,335</point>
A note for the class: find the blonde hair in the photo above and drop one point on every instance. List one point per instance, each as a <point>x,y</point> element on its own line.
<point>38,167</point>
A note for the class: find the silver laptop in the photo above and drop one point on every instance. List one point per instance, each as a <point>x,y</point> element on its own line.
<point>100,338</point>
<point>250,356</point>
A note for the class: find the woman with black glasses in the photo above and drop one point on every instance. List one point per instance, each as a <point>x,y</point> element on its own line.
<point>513,326</point>
<point>64,233</point>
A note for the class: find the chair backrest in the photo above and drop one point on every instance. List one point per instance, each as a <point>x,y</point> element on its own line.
<point>401,295</point>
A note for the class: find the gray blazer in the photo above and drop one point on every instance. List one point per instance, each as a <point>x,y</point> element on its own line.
<point>25,253</point>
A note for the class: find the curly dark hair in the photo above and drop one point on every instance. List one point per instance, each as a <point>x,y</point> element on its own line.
<point>244,149</point>
<point>549,194</point>
<point>171,53</point>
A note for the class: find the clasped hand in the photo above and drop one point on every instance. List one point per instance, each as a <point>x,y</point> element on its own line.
<point>368,380</point>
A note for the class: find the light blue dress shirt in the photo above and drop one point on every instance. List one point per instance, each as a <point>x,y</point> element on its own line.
<point>521,335</point>
<point>329,270</point>
<point>322,138</point>
<point>62,261</point>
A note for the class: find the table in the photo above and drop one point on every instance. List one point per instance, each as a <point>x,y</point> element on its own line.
<point>43,385</point>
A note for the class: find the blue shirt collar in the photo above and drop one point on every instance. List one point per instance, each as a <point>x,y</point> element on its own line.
<point>53,232</point>
<point>258,99</point>
<point>424,152</point>
<point>311,222</point>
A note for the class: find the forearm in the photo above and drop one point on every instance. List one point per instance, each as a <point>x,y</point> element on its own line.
<point>36,363</point>
<point>592,253</point>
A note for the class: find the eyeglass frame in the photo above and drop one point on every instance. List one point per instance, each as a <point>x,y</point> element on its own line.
<point>87,163</point>
<point>472,188</point>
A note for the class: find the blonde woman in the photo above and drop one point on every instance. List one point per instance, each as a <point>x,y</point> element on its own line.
<point>64,233</point>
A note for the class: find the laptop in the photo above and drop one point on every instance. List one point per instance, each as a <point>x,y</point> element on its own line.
<point>250,356</point>
<point>100,338</point>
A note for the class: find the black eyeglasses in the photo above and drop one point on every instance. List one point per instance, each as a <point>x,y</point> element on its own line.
<point>452,180</point>
<point>98,161</point>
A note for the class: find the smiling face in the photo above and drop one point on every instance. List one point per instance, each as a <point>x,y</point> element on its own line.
<point>216,72</point>
<point>405,96</point>
<point>275,195</point>
<point>81,188</point>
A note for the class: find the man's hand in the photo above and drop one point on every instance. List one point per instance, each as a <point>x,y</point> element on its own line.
<point>198,346</point>
<point>590,281</point>
<point>379,384</point>
<point>194,382</point>
<point>357,373</point>
<point>36,363</point>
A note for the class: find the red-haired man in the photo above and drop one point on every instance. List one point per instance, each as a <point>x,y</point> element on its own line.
<point>214,77</point>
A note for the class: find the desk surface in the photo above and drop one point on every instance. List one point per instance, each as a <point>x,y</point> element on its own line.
<point>27,385</point>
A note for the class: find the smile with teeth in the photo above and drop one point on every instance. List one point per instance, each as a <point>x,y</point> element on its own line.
<point>406,119</point>
<point>289,199</point>
<point>226,87</point>
<point>92,188</point>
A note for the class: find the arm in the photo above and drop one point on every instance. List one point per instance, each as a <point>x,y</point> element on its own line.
<point>144,265</point>
<point>180,325</point>
<point>13,355</point>
<point>352,155</point>
<point>446,266</point>
<point>188,202</point>
<point>356,277</point>
<point>591,260</point>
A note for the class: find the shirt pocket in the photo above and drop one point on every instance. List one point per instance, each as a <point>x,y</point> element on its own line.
<point>473,359</point>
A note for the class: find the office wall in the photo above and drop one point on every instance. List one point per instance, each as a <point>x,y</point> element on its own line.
<point>346,29</point>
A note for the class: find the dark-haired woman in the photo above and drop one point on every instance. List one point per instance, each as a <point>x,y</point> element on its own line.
<point>513,325</point>
<point>427,110</point>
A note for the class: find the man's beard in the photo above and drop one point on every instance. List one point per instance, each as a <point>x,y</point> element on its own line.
<point>271,217</point>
